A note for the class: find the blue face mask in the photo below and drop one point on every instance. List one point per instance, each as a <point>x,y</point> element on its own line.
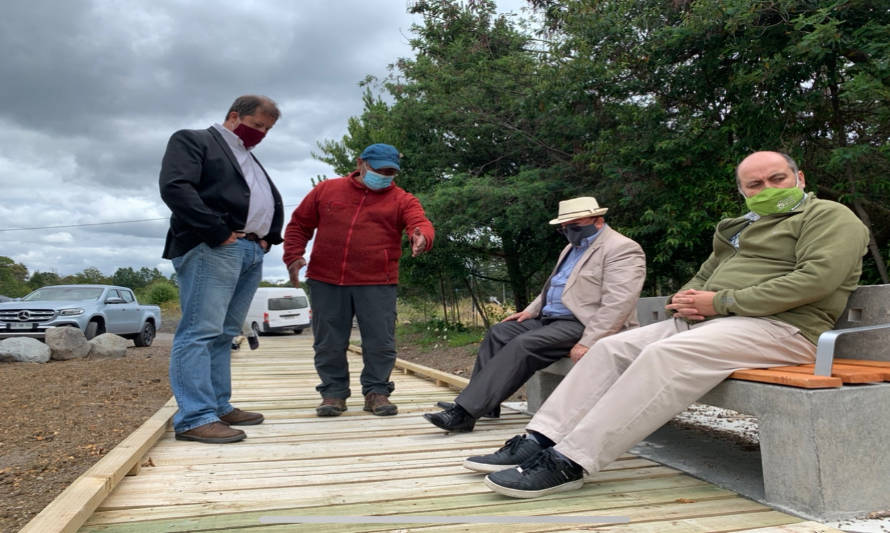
<point>375,181</point>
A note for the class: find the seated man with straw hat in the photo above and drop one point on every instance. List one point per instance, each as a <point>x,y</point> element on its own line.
<point>591,293</point>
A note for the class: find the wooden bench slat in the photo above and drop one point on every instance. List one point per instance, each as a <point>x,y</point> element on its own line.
<point>863,362</point>
<point>793,379</point>
<point>848,374</point>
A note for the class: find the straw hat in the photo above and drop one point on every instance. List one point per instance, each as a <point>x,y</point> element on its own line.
<point>576,208</point>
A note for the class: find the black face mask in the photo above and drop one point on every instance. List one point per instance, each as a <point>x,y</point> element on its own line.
<point>576,233</point>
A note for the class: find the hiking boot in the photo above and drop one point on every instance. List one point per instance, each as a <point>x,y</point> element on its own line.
<point>516,450</point>
<point>237,417</point>
<point>379,404</point>
<point>212,433</point>
<point>543,474</point>
<point>331,407</point>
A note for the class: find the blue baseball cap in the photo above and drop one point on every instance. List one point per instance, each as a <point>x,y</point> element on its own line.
<point>381,155</point>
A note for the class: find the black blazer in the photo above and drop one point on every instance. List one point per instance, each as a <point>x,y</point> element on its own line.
<point>202,184</point>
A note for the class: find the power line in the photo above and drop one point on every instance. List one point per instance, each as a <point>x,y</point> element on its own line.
<point>97,223</point>
<point>84,225</point>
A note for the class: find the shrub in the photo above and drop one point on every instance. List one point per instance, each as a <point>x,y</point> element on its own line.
<point>160,292</point>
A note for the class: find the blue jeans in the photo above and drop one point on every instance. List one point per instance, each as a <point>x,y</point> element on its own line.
<point>215,289</point>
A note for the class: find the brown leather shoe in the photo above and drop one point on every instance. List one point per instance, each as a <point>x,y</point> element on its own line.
<point>237,417</point>
<point>331,407</point>
<point>212,433</point>
<point>379,404</point>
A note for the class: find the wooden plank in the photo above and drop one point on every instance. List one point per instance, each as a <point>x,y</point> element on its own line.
<point>802,527</point>
<point>640,507</point>
<point>68,511</point>
<point>678,486</point>
<point>793,379</point>
<point>847,373</point>
<point>864,362</point>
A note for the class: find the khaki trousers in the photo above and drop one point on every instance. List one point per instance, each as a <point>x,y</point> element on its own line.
<point>631,383</point>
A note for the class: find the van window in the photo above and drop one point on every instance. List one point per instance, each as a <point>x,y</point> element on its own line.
<point>287,303</point>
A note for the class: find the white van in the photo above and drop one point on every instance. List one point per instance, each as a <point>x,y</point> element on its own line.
<point>279,310</point>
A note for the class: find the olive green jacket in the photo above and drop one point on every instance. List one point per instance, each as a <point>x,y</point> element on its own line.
<point>798,267</point>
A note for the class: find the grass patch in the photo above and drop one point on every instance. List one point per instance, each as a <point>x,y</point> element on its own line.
<point>436,333</point>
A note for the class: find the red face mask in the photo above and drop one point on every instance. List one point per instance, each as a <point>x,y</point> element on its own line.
<point>249,136</point>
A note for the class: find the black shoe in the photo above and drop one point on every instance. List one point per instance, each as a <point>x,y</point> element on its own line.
<point>454,419</point>
<point>494,413</point>
<point>514,452</point>
<point>235,346</point>
<point>254,342</point>
<point>545,473</point>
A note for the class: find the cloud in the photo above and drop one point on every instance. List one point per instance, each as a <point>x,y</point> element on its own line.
<point>92,90</point>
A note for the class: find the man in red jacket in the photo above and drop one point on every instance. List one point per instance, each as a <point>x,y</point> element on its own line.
<point>358,221</point>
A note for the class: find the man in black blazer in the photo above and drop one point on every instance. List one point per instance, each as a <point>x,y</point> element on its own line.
<point>226,215</point>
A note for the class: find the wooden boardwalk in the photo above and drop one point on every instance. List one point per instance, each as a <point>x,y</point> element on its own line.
<point>335,471</point>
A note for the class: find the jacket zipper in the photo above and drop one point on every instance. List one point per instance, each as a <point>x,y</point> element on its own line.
<point>349,237</point>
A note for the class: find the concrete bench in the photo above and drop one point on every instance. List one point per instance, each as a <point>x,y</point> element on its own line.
<point>823,451</point>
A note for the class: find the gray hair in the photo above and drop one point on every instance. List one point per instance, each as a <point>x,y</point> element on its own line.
<point>249,104</point>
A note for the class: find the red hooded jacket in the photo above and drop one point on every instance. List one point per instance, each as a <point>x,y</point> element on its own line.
<point>359,231</point>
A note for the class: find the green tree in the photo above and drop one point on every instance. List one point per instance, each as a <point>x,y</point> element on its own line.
<point>477,149</point>
<point>89,275</point>
<point>13,278</point>
<point>698,85</point>
<point>127,277</point>
<point>42,279</point>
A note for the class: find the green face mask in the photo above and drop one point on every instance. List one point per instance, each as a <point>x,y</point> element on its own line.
<point>771,201</point>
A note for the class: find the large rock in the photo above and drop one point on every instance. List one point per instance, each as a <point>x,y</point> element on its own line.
<point>24,349</point>
<point>108,345</point>
<point>67,343</point>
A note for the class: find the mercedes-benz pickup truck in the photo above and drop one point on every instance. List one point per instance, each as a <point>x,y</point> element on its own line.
<point>95,309</point>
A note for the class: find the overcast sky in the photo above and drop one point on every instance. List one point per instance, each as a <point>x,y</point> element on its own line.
<point>92,90</point>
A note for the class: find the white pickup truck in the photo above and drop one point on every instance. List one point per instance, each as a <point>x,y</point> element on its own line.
<point>95,309</point>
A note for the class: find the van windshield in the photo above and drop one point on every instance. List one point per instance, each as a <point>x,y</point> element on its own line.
<point>287,303</point>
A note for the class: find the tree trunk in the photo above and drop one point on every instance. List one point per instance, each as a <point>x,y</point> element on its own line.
<point>444,299</point>
<point>478,307</point>
<point>872,244</point>
<point>840,132</point>
<point>518,281</point>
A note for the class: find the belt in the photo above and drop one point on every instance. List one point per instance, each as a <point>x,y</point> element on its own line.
<point>251,237</point>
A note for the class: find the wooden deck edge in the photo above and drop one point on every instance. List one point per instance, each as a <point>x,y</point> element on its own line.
<point>70,509</point>
<point>423,371</point>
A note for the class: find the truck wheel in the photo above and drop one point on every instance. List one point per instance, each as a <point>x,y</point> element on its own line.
<point>94,328</point>
<point>146,336</point>
<point>256,329</point>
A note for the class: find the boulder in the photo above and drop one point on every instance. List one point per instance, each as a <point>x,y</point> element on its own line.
<point>24,349</point>
<point>108,345</point>
<point>67,343</point>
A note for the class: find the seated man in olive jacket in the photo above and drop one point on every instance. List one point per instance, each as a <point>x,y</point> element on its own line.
<point>777,277</point>
<point>592,292</point>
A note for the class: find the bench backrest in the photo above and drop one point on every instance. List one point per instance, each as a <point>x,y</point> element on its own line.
<point>869,305</point>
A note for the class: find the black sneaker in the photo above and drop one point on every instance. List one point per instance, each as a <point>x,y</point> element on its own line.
<point>515,451</point>
<point>545,473</point>
<point>254,342</point>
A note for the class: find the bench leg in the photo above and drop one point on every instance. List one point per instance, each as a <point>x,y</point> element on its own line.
<point>824,453</point>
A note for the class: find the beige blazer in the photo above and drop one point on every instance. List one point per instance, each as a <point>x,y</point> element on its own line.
<point>603,288</point>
